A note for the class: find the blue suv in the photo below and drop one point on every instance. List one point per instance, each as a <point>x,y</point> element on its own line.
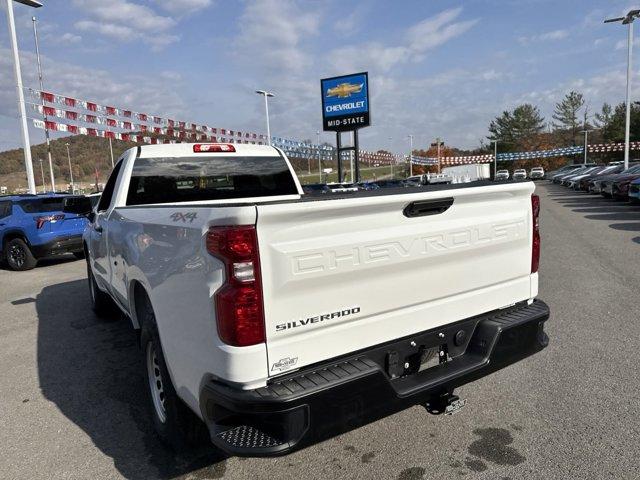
<point>34,226</point>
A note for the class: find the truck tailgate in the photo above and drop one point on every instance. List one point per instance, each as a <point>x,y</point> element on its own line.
<point>342,275</point>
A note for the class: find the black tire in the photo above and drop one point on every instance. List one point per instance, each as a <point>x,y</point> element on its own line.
<point>79,255</point>
<point>18,255</point>
<point>101,303</point>
<point>176,425</point>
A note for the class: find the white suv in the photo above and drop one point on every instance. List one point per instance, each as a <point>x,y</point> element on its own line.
<point>520,174</point>
<point>536,173</point>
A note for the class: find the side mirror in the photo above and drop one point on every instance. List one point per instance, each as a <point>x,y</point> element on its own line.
<point>78,205</point>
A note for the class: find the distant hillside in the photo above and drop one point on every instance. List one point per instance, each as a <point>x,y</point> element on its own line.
<point>88,154</point>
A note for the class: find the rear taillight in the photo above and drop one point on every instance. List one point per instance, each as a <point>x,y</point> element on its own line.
<point>239,310</point>
<point>40,221</point>
<point>535,251</point>
<point>213,147</point>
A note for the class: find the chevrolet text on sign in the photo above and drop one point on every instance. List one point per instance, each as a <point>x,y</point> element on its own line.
<point>345,102</point>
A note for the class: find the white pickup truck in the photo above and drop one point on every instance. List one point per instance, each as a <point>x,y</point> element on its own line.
<point>278,319</point>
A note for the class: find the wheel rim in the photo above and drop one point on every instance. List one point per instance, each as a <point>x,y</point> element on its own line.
<point>155,383</point>
<point>17,255</point>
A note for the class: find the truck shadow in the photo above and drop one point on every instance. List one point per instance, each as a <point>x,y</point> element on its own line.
<point>92,371</point>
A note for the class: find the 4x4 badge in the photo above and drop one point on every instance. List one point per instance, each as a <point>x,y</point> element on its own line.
<point>284,363</point>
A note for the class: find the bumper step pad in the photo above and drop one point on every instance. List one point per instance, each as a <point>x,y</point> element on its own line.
<point>246,436</point>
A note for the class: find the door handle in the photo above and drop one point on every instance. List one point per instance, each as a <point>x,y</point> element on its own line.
<point>98,228</point>
<point>423,208</point>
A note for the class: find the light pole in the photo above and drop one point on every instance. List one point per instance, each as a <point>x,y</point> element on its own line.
<point>391,162</point>
<point>111,152</point>
<point>73,188</point>
<point>46,130</point>
<point>410,137</point>
<point>586,134</point>
<point>627,20</point>
<point>495,158</point>
<point>44,188</point>
<point>26,144</point>
<point>266,109</point>
<point>319,164</point>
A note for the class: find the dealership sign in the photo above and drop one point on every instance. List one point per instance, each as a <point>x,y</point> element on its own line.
<point>345,102</point>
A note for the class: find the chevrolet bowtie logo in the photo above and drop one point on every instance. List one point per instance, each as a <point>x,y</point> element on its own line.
<point>344,90</point>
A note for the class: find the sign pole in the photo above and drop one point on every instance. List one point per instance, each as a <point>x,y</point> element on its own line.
<point>339,151</point>
<point>356,168</point>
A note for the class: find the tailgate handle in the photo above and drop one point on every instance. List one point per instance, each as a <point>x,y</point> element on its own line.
<point>423,208</point>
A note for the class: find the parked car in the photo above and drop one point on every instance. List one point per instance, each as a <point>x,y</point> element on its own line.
<point>275,323</point>
<point>563,170</point>
<point>595,186</point>
<point>312,188</point>
<point>368,186</point>
<point>569,181</point>
<point>34,227</point>
<point>437,179</point>
<point>606,183</point>
<point>412,182</point>
<point>416,180</point>
<point>620,187</point>
<point>586,184</point>
<point>634,191</point>
<point>520,174</point>
<point>391,184</point>
<point>559,177</point>
<point>344,187</point>
<point>502,175</point>
<point>536,173</point>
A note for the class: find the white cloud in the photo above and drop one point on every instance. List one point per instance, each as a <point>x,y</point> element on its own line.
<point>126,13</point>
<point>182,7</point>
<point>125,21</point>
<point>434,31</point>
<point>64,39</point>
<point>420,38</point>
<point>171,75</point>
<point>272,33</point>
<point>349,24</point>
<point>117,32</point>
<point>551,36</point>
<point>623,44</point>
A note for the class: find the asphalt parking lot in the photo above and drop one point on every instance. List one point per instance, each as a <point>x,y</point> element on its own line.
<point>73,403</point>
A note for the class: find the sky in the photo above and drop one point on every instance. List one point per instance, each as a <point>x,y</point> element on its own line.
<point>436,68</point>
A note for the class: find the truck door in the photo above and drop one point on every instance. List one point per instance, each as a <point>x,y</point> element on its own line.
<point>98,238</point>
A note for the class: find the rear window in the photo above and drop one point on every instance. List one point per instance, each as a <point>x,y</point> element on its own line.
<point>190,179</point>
<point>41,205</point>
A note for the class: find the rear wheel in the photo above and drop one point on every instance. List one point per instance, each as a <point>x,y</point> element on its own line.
<point>175,424</point>
<point>19,256</point>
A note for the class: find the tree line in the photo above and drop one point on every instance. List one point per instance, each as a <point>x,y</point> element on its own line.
<point>524,128</point>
